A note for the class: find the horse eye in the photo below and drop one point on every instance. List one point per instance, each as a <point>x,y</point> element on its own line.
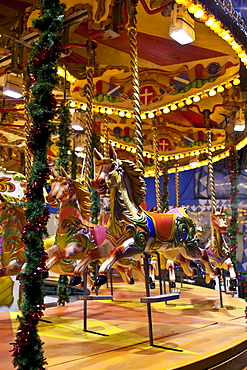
<point>113,166</point>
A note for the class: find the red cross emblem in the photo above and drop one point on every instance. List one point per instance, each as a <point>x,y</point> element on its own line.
<point>164,145</point>
<point>146,95</point>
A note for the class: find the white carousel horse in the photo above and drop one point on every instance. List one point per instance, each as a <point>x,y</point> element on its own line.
<point>133,231</point>
<point>217,248</point>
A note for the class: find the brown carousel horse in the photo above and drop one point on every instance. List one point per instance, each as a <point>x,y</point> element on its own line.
<point>133,231</point>
<point>217,248</point>
<point>13,220</point>
<point>76,238</point>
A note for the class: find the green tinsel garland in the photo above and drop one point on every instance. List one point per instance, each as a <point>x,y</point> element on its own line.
<point>165,194</point>
<point>63,143</point>
<point>27,351</point>
<point>62,290</point>
<point>73,165</point>
<point>234,200</point>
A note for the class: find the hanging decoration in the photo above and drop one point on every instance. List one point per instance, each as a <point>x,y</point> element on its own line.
<point>27,351</point>
<point>165,194</point>
<point>234,181</point>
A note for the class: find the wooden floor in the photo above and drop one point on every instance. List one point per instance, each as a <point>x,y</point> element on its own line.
<point>191,333</point>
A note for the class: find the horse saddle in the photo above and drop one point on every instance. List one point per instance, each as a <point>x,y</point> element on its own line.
<point>160,225</point>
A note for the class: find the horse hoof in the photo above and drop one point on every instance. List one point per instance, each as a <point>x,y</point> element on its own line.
<point>218,272</point>
<point>2,272</point>
<point>194,272</point>
<point>44,274</point>
<point>234,282</point>
<point>100,280</point>
<point>152,286</point>
<point>172,284</point>
<point>75,280</point>
<point>132,281</point>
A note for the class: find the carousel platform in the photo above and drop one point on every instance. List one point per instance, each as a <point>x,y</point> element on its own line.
<point>190,333</point>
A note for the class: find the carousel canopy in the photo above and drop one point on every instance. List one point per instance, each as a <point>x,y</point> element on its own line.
<point>185,88</point>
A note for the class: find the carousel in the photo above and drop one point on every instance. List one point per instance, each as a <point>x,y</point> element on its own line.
<point>103,103</point>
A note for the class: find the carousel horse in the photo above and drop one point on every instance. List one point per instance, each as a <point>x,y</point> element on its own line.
<point>132,230</point>
<point>13,219</point>
<point>76,238</point>
<point>217,248</point>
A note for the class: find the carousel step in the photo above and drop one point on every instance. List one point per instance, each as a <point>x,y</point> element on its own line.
<point>95,297</point>
<point>160,298</point>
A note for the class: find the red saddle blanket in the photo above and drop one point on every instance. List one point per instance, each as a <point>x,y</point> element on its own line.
<point>163,224</point>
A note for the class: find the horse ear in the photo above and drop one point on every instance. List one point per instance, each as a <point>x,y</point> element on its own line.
<point>113,154</point>
<point>54,172</point>
<point>97,154</point>
<point>2,198</point>
<point>64,173</point>
<point>222,210</point>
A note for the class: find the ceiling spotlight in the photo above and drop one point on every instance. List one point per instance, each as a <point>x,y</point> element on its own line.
<point>166,110</point>
<point>239,124</point>
<point>77,122</point>
<point>194,162</point>
<point>13,86</point>
<point>181,25</point>
<point>196,99</point>
<point>212,92</point>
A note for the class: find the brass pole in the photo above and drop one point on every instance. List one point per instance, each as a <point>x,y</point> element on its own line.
<point>211,172</point>
<point>89,114</point>
<point>206,114</point>
<point>105,136</point>
<point>177,186</point>
<point>28,156</point>
<point>156,166</point>
<point>132,32</point>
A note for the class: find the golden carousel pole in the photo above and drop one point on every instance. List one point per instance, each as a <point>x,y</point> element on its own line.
<point>212,185</point>
<point>89,114</point>
<point>106,155</point>
<point>157,192</point>
<point>28,156</point>
<point>206,113</point>
<point>156,165</point>
<point>88,144</point>
<point>105,137</point>
<point>132,32</point>
<point>177,186</point>
<point>211,172</point>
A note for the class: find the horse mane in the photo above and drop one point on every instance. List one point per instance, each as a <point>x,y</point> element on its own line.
<point>83,197</point>
<point>21,214</point>
<point>18,206</point>
<point>138,185</point>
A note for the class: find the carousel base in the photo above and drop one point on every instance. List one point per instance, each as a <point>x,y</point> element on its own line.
<point>190,333</point>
